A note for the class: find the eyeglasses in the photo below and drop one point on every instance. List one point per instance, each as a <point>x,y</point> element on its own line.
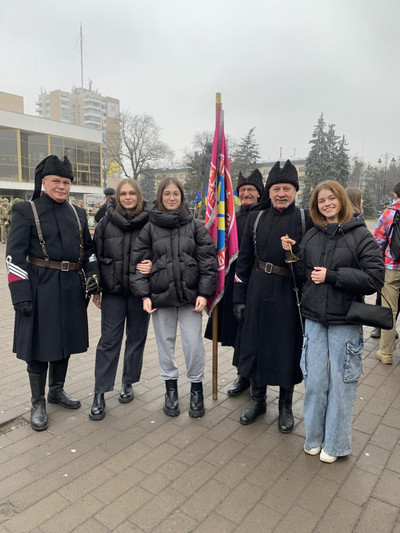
<point>57,182</point>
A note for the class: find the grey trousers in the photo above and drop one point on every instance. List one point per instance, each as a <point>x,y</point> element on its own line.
<point>165,321</point>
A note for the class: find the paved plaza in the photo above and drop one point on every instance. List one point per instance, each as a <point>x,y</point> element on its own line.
<point>139,470</point>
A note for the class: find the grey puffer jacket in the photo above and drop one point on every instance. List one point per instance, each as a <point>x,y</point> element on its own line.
<point>334,248</point>
<point>115,238</point>
<point>183,256</point>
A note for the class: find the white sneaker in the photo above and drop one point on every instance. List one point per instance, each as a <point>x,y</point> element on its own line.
<point>313,451</point>
<point>325,458</point>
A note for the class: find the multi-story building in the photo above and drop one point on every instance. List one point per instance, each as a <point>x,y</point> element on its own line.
<point>85,107</point>
<point>26,140</point>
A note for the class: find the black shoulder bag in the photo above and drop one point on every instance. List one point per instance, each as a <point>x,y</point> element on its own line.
<point>364,314</point>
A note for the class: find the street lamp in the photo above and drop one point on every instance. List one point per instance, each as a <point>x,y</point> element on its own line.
<point>386,160</point>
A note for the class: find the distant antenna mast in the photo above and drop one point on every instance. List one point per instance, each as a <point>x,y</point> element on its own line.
<point>81,58</point>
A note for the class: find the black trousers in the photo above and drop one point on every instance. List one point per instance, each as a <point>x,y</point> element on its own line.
<point>40,367</point>
<point>116,310</point>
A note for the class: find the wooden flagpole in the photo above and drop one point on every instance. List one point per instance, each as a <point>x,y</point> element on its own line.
<point>218,105</point>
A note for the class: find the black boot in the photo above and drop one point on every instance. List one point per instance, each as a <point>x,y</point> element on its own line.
<point>98,410</point>
<point>171,407</point>
<point>57,373</point>
<point>238,386</point>
<point>285,420</point>
<point>257,405</point>
<point>196,408</point>
<point>126,395</point>
<point>39,420</point>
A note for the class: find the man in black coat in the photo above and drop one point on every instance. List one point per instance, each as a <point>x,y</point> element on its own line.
<point>250,189</point>
<point>109,192</point>
<point>49,255</point>
<point>264,300</point>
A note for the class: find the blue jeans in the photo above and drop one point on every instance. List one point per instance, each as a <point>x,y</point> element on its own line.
<point>331,363</point>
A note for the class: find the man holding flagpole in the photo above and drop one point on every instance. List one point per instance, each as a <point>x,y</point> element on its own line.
<point>264,299</point>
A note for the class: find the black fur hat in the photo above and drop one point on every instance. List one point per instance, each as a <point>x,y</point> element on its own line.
<point>287,174</point>
<point>254,178</point>
<point>51,165</point>
<point>109,191</point>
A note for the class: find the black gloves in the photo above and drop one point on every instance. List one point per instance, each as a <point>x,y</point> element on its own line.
<point>238,312</point>
<point>23,308</point>
<point>92,285</point>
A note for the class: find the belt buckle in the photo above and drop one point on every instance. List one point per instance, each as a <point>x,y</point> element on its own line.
<point>64,266</point>
<point>268,268</point>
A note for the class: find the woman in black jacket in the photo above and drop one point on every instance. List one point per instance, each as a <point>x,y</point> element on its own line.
<point>115,238</point>
<point>340,261</point>
<point>183,276</point>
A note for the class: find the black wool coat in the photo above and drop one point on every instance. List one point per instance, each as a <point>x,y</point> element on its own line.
<point>58,325</point>
<point>271,339</point>
<point>115,237</point>
<point>183,256</point>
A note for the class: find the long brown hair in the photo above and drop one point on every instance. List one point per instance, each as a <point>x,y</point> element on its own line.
<point>355,197</point>
<point>345,212</point>
<point>136,187</point>
<point>163,185</point>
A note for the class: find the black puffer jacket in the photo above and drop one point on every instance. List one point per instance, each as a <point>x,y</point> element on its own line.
<point>183,255</point>
<point>115,238</point>
<point>333,247</point>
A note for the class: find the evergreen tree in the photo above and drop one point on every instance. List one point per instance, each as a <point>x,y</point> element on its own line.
<point>342,163</point>
<point>356,177</point>
<point>317,163</point>
<point>368,204</point>
<point>245,156</point>
<point>198,162</point>
<point>148,184</point>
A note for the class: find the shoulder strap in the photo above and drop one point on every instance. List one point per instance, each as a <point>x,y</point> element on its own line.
<point>257,220</point>
<point>39,231</point>
<point>81,245</point>
<point>303,222</point>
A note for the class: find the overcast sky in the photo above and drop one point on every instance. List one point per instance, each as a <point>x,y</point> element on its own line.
<point>277,63</point>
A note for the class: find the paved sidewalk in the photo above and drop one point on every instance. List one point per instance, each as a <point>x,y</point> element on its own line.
<point>138,470</point>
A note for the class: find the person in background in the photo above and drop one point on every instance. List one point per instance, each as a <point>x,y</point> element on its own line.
<point>340,260</point>
<point>115,238</point>
<point>249,189</point>
<point>391,289</point>
<point>108,193</point>
<point>45,260</point>
<point>183,276</point>
<point>354,194</point>
<point>5,219</point>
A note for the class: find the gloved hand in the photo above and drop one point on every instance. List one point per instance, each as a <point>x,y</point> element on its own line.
<point>92,285</point>
<point>23,308</point>
<point>238,312</point>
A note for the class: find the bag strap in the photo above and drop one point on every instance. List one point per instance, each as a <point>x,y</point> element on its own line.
<point>303,222</point>
<point>257,220</point>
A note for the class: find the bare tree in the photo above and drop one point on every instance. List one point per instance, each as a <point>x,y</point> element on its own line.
<point>139,145</point>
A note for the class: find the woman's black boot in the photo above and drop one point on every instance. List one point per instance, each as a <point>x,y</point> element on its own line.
<point>98,410</point>
<point>285,420</point>
<point>39,420</point>
<point>171,407</point>
<point>196,409</point>
<point>257,405</point>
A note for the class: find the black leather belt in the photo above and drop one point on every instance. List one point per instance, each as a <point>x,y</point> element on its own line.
<point>64,266</point>
<point>269,268</point>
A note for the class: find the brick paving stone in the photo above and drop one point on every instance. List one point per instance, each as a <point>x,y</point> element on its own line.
<point>35,515</point>
<point>377,516</point>
<point>268,472</point>
<point>236,470</point>
<point>385,437</point>
<point>205,500</point>
<point>291,521</point>
<point>176,521</point>
<point>92,526</point>
<point>282,495</point>
<point>216,522</point>
<point>392,418</point>
<point>110,490</point>
<point>193,478</point>
<point>157,457</point>
<point>317,495</point>
<point>341,516</point>
<point>127,457</point>
<point>366,422</point>
<point>260,518</point>
<point>77,513</point>
<point>373,459</point>
<point>196,451</point>
<point>115,512</point>
<point>86,483</point>
<point>240,501</point>
<point>358,486</point>
<point>394,460</point>
<point>155,482</point>
<point>387,488</point>
<point>157,509</point>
